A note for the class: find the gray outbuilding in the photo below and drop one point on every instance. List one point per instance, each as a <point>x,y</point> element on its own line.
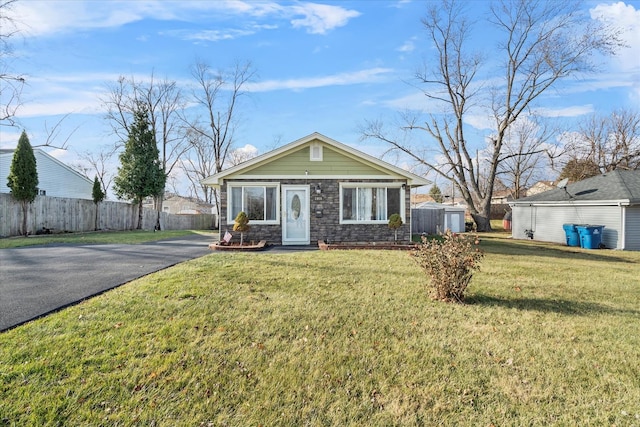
<point>611,200</point>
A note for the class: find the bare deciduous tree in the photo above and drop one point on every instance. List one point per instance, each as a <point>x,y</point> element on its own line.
<point>542,42</point>
<point>241,155</point>
<point>211,135</point>
<point>11,84</point>
<point>199,164</point>
<point>164,101</point>
<point>100,161</point>
<point>609,141</point>
<point>524,155</point>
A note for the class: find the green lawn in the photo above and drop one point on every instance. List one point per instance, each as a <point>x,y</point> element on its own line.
<point>549,336</point>
<point>125,237</point>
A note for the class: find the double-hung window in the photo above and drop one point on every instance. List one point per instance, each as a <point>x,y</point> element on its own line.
<point>258,200</point>
<point>370,203</point>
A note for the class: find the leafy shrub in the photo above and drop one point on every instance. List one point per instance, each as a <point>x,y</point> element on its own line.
<point>241,224</point>
<point>395,222</point>
<point>449,263</point>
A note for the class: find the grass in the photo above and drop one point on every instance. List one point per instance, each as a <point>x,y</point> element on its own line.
<point>124,237</point>
<point>549,337</point>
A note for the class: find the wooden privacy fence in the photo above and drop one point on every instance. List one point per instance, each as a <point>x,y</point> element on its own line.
<point>74,215</point>
<point>430,221</point>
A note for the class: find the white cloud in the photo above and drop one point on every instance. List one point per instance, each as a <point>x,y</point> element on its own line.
<point>480,121</point>
<point>408,46</point>
<point>627,17</point>
<point>9,137</point>
<point>415,100</point>
<point>58,95</point>
<point>320,18</point>
<point>211,35</point>
<point>572,111</point>
<point>341,79</point>
<point>46,17</point>
<point>248,150</point>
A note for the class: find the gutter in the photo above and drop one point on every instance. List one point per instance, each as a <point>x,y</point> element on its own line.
<point>623,202</point>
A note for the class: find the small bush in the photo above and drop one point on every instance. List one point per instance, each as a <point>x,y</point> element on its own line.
<point>241,224</point>
<point>395,222</point>
<point>450,263</point>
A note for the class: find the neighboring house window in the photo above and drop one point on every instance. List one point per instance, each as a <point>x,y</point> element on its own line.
<point>316,152</point>
<point>258,201</point>
<point>165,208</point>
<point>370,203</point>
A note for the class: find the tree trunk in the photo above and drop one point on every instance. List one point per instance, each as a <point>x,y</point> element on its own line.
<point>95,228</point>
<point>158,202</point>
<point>139,227</point>
<point>25,215</point>
<point>483,218</point>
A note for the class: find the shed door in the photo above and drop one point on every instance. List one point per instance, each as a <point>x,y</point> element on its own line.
<point>295,215</point>
<point>452,221</point>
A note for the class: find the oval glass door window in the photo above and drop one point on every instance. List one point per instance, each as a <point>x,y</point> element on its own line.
<point>295,207</point>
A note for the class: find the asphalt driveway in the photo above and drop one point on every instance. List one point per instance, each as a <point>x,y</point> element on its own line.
<point>37,280</point>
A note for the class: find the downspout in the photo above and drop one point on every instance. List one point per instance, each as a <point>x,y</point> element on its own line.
<point>410,216</point>
<point>623,225</point>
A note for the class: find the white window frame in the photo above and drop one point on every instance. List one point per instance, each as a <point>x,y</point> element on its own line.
<point>313,147</point>
<point>231,185</point>
<point>385,185</point>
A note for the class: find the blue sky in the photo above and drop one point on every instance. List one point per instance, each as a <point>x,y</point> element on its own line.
<point>324,66</point>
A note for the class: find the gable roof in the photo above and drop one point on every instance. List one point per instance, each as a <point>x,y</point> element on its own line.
<point>384,167</point>
<point>619,185</point>
<point>8,152</point>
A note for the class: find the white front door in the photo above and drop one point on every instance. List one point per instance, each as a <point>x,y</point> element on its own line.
<point>295,214</point>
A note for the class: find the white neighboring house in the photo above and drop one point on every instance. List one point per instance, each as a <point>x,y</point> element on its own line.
<point>55,179</point>
<point>611,199</point>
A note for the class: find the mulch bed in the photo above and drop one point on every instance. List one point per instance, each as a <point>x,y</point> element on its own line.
<point>366,245</point>
<point>235,246</point>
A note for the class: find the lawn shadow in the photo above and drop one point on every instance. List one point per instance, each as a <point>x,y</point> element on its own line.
<point>560,306</point>
<point>503,246</point>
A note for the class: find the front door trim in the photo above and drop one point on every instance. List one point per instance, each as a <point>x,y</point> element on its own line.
<point>296,218</point>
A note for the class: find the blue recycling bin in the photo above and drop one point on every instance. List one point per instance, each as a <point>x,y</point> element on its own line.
<point>571,232</point>
<point>590,236</point>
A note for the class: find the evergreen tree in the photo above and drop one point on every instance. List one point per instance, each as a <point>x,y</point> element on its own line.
<point>436,194</point>
<point>98,196</point>
<point>23,177</point>
<point>140,173</point>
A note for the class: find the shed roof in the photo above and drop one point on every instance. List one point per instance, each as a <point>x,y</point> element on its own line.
<point>617,185</point>
<point>434,205</point>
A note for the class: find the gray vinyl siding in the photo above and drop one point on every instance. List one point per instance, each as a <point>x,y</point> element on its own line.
<point>546,222</point>
<point>632,229</point>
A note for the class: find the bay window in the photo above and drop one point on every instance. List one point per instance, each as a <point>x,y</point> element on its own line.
<point>259,201</point>
<point>372,203</point>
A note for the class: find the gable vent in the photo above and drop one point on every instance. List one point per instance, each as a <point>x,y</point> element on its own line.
<point>316,152</point>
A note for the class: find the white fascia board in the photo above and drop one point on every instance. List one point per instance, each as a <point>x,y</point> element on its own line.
<point>317,177</point>
<point>622,202</point>
<point>414,180</point>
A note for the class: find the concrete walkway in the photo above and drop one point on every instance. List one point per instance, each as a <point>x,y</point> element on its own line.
<point>37,280</point>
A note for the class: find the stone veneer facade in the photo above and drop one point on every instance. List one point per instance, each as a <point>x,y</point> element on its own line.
<point>326,227</point>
